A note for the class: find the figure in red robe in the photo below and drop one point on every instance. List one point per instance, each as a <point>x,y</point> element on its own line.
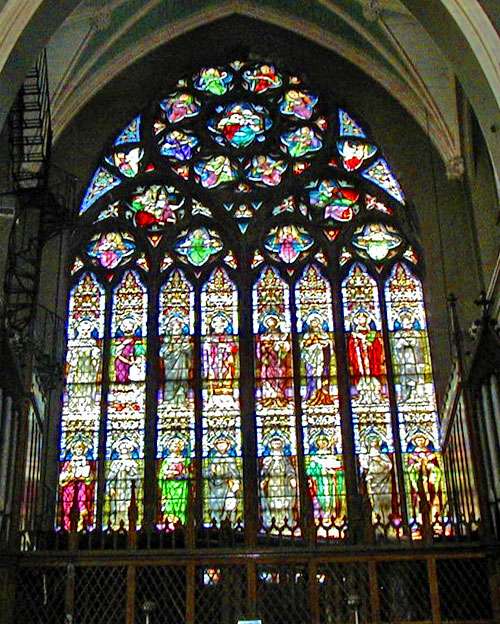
<point>263,78</point>
<point>77,478</point>
<point>273,351</point>
<point>366,355</point>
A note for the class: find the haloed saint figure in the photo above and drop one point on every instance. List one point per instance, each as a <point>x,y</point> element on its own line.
<point>366,358</point>
<point>425,475</point>
<point>274,362</point>
<point>84,359</point>
<point>220,353</point>
<point>129,351</point>
<point>173,481</point>
<point>325,471</point>
<point>378,472</point>
<point>408,355</point>
<point>278,482</point>
<point>77,483</point>
<point>317,354</point>
<point>122,472</point>
<point>175,353</point>
<point>224,482</point>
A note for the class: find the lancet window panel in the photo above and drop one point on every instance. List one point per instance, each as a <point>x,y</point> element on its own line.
<point>275,401</point>
<point>80,420</point>
<point>175,399</point>
<point>321,421</point>
<point>221,407</point>
<point>126,399</point>
<point>416,402</point>
<point>246,310</point>
<point>371,414</point>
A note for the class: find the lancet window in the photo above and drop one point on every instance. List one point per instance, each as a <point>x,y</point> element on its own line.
<point>246,335</point>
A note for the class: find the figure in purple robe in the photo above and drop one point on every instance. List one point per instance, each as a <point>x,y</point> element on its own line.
<point>129,352</point>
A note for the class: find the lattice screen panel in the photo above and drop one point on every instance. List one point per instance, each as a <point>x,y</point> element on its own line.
<point>220,594</point>
<point>40,594</point>
<point>100,595</point>
<point>338,584</point>
<point>165,588</point>
<point>283,594</point>
<point>464,589</point>
<point>404,591</point>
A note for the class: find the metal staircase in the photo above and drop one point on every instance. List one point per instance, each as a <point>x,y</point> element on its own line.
<point>45,201</point>
<point>30,130</point>
<point>32,335</point>
<point>30,139</point>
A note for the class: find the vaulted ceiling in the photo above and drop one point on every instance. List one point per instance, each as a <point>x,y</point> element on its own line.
<point>413,48</point>
<point>101,38</point>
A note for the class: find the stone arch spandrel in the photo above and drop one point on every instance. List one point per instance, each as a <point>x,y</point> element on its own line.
<point>469,40</point>
<point>467,36</point>
<point>25,28</point>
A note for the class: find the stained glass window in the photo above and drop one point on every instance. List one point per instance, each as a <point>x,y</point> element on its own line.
<point>246,302</point>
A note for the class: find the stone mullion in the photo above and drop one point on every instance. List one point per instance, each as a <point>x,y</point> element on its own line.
<point>312,570</point>
<point>374,589</point>
<point>434,590</point>
<point>130,594</point>
<point>190,593</point>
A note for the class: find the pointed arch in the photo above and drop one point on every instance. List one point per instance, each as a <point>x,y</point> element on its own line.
<point>252,258</point>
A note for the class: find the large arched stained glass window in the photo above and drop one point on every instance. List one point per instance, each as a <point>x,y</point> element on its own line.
<point>247,341</point>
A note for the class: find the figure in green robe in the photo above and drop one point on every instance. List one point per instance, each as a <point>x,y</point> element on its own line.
<point>173,481</point>
<point>325,473</point>
<point>199,246</point>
